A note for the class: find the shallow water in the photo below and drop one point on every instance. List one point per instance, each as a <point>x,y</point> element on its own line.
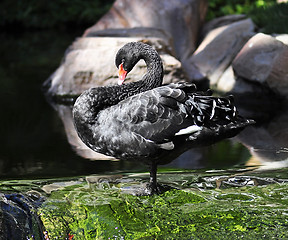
<point>216,185</point>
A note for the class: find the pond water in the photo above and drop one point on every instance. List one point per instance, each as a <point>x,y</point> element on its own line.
<point>33,141</point>
<point>36,144</point>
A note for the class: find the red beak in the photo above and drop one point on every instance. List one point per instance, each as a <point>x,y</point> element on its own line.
<point>122,74</point>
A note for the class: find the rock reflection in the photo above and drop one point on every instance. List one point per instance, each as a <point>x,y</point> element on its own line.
<point>268,142</point>
<point>65,113</point>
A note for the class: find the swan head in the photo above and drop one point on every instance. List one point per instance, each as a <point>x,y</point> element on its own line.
<point>126,59</point>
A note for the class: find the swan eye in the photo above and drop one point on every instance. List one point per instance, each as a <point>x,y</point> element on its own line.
<point>123,61</point>
<point>124,66</point>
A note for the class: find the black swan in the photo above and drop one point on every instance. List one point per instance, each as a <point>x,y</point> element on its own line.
<point>144,121</point>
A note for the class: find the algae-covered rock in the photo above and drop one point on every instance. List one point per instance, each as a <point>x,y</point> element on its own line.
<point>219,204</point>
<point>102,211</point>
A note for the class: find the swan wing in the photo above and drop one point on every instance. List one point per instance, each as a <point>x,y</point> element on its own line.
<point>157,114</point>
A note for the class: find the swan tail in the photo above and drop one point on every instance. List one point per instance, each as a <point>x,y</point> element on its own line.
<point>210,111</point>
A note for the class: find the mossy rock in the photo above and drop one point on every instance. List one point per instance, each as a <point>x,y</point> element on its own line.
<point>82,212</point>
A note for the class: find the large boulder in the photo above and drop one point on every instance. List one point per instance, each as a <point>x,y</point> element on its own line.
<point>181,19</point>
<point>220,22</point>
<point>219,47</point>
<point>264,59</point>
<point>283,38</point>
<point>139,32</point>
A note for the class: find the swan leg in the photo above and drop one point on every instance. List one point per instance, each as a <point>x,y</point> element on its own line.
<point>153,178</point>
<point>153,187</point>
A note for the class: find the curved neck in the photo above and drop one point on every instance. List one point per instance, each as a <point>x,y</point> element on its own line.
<point>152,79</point>
<point>154,76</point>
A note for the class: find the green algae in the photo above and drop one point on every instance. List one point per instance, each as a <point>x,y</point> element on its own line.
<point>88,212</point>
<point>200,208</point>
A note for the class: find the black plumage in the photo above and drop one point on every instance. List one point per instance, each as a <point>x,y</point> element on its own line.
<point>144,121</point>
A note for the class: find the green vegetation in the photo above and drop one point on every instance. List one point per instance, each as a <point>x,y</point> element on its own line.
<point>103,211</point>
<point>197,209</point>
<point>269,16</point>
<point>271,19</point>
<point>218,8</point>
<point>48,14</point>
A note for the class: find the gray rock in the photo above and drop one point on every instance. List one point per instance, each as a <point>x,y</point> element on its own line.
<point>264,59</point>
<point>180,19</point>
<point>18,214</point>
<point>139,32</point>
<point>282,37</point>
<point>227,81</point>
<point>219,48</point>
<point>220,22</point>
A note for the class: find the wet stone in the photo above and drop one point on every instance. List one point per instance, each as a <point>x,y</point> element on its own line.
<point>19,219</point>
